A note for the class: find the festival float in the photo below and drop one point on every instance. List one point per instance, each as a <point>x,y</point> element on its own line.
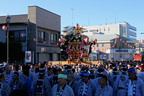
<point>78,47</point>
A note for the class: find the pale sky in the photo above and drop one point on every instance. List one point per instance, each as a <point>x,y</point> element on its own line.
<point>86,12</point>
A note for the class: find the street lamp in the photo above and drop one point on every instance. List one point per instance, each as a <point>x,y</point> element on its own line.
<point>7,21</point>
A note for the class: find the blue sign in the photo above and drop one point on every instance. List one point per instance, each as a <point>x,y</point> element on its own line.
<point>121,50</point>
<point>97,51</point>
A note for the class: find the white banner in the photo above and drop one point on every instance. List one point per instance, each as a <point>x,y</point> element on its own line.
<point>28,57</point>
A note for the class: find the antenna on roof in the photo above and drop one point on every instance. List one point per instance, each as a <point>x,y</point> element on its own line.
<point>72,15</point>
<point>106,22</point>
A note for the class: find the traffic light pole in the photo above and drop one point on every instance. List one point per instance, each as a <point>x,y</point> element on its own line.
<point>7,43</point>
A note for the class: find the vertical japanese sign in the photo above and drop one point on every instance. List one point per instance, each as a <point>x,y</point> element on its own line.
<point>28,57</point>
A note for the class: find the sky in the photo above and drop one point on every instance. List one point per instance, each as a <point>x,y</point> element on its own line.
<point>86,12</point>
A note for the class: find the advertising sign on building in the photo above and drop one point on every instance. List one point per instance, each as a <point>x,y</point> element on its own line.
<point>28,57</point>
<point>102,56</point>
<point>123,50</point>
<point>140,44</point>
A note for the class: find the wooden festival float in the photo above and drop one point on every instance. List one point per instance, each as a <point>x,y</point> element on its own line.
<point>78,47</point>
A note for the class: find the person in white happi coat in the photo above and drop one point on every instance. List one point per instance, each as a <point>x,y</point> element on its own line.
<point>16,83</point>
<point>120,83</point>
<point>70,80</point>
<point>8,74</point>
<point>86,86</point>
<point>92,73</point>
<point>96,80</point>
<point>106,89</point>
<point>134,85</point>
<point>113,76</point>
<point>41,85</point>
<point>141,74</point>
<point>102,68</point>
<point>62,89</point>
<point>4,87</point>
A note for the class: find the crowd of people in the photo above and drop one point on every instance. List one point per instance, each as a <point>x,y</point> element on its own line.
<point>104,79</point>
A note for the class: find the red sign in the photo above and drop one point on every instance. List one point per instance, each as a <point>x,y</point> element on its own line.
<point>137,57</point>
<point>22,35</point>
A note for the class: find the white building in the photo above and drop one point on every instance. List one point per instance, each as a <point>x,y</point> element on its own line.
<point>113,48</point>
<point>123,29</point>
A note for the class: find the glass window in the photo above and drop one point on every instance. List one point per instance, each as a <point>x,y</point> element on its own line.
<point>52,38</point>
<point>56,38</point>
<point>23,38</point>
<point>16,36</point>
<point>51,57</point>
<point>11,36</point>
<point>41,36</point>
<point>102,44</point>
<point>97,45</point>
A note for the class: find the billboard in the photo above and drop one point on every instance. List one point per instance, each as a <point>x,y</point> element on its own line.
<point>102,56</point>
<point>28,57</point>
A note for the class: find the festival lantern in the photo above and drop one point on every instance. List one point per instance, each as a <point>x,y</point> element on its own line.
<point>4,27</point>
<point>95,41</point>
<point>123,41</point>
<point>87,40</point>
<point>57,44</point>
<point>60,40</point>
<point>120,39</point>
<point>34,39</point>
<point>44,42</point>
<point>22,35</point>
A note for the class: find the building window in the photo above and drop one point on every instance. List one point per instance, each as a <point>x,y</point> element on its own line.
<point>41,36</point>
<point>123,30</point>
<point>102,44</point>
<point>16,35</point>
<point>54,38</point>
<point>108,29</point>
<point>122,45</point>
<point>51,57</point>
<point>97,45</point>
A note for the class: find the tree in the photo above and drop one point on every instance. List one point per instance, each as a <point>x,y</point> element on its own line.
<point>64,54</point>
<point>15,51</point>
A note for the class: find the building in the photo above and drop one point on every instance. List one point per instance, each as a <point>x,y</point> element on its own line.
<point>124,29</point>
<point>112,47</point>
<point>139,47</point>
<point>41,29</point>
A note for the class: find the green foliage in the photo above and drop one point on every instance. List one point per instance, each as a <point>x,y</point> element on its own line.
<point>64,54</point>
